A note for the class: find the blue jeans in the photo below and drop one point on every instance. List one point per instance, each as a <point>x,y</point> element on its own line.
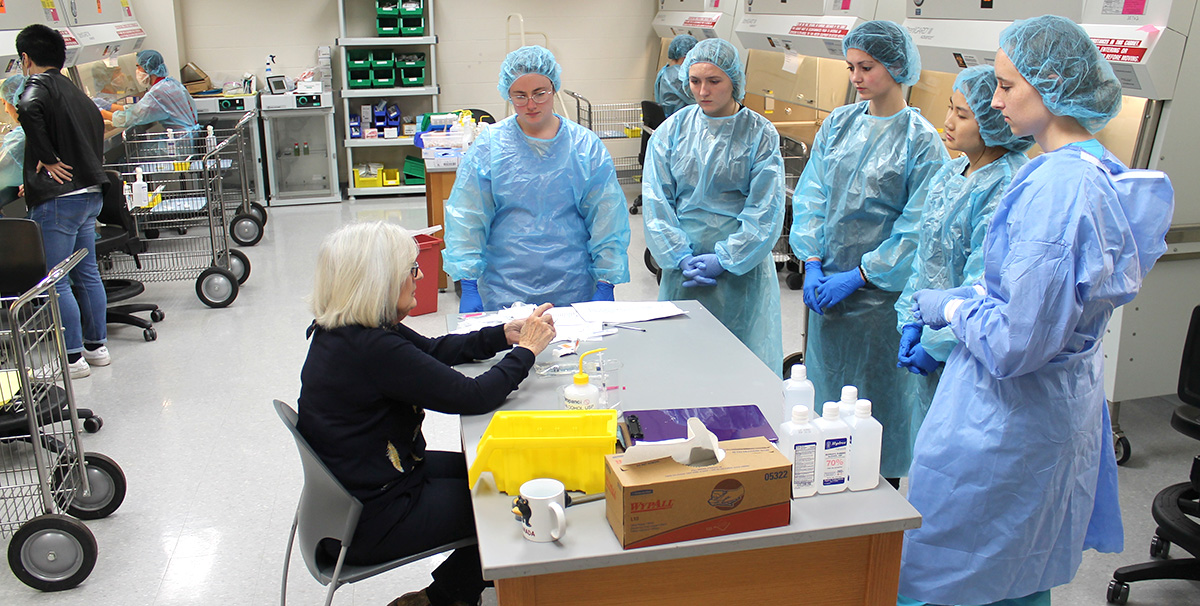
<point>68,224</point>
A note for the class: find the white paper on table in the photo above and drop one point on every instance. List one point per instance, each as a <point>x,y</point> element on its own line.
<point>473,322</point>
<point>625,312</point>
<point>570,326</point>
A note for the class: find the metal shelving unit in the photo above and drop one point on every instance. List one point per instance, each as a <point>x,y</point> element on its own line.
<point>354,18</point>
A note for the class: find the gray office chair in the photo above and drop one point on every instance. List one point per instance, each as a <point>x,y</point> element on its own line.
<point>328,511</point>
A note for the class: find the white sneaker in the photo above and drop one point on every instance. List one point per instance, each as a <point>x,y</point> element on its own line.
<point>97,357</point>
<point>49,371</point>
<point>79,369</point>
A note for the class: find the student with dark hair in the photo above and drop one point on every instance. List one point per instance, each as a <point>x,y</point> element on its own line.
<point>63,175</point>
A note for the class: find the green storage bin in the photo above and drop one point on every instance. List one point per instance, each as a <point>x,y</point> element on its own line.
<point>381,57</point>
<point>411,76</point>
<point>411,8</point>
<point>387,26</point>
<point>359,78</point>
<point>387,7</point>
<point>383,77</point>
<point>410,59</point>
<point>412,26</point>
<point>414,171</point>
<point>358,58</point>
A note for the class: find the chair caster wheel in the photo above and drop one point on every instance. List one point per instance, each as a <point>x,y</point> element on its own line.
<point>1118,592</point>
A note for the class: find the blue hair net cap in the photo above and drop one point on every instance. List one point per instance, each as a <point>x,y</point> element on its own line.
<point>680,45</point>
<point>1060,60</point>
<point>529,60</point>
<point>11,89</point>
<point>152,62</point>
<point>890,45</point>
<point>978,85</point>
<point>721,54</point>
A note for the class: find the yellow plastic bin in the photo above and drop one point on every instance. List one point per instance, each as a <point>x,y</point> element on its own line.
<point>391,177</point>
<point>361,180</point>
<point>567,445</point>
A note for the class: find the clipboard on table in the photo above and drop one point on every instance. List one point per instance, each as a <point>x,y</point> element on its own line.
<point>726,422</point>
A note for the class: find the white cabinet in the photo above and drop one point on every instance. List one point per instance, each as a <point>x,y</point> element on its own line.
<point>388,55</point>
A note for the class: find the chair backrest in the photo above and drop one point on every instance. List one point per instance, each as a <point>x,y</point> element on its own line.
<point>652,114</point>
<point>327,510</point>
<point>1189,367</point>
<point>22,256</point>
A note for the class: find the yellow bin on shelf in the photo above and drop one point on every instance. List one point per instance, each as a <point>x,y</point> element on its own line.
<point>567,445</point>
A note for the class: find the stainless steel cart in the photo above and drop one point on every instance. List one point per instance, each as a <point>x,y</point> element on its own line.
<point>613,121</point>
<point>47,482</point>
<point>185,225</point>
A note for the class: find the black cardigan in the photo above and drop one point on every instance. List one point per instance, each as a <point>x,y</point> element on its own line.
<point>364,390</point>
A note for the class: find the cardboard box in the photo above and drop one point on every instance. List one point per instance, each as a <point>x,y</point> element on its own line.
<point>662,501</point>
<point>194,79</point>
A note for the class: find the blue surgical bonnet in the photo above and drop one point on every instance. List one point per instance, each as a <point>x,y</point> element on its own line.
<point>680,45</point>
<point>890,45</point>
<point>11,89</point>
<point>721,54</point>
<point>152,62</point>
<point>1060,60</point>
<point>528,60</point>
<point>978,85</point>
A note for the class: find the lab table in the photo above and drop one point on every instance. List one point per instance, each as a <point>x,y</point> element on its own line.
<point>839,549</point>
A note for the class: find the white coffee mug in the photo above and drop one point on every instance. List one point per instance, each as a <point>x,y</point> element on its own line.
<point>541,508</point>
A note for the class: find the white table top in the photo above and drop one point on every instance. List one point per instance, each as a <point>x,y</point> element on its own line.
<point>682,362</point>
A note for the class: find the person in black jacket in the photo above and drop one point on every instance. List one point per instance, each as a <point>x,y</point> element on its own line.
<point>364,389</point>
<point>64,179</point>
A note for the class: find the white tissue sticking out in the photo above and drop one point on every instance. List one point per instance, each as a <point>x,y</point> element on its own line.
<point>700,448</point>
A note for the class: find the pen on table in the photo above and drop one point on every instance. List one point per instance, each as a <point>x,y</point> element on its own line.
<point>627,327</point>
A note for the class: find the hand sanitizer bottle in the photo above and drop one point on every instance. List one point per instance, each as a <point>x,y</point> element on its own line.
<point>141,191</point>
<point>866,436</point>
<point>835,443</point>
<point>798,391</point>
<point>798,439</point>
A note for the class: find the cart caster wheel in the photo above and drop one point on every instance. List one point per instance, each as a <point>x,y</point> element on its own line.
<point>93,424</point>
<point>150,234</point>
<point>52,552</point>
<point>779,265</point>
<point>181,231</point>
<point>217,287</point>
<point>260,211</point>
<point>150,334</point>
<point>1160,548</point>
<point>636,206</point>
<point>1123,449</point>
<point>1118,592</point>
<point>107,482</point>
<point>795,281</point>
<point>245,229</point>
<point>157,315</point>
<point>792,360</point>
<point>239,264</point>
<point>792,265</point>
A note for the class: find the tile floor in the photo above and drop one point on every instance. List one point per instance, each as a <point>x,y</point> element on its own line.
<point>213,477</point>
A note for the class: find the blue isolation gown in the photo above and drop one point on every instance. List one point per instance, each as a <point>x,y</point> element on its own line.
<point>715,185</point>
<point>536,220</point>
<point>167,102</point>
<point>670,92</point>
<point>12,158</point>
<point>950,254</point>
<point>1013,469</point>
<point>858,203</point>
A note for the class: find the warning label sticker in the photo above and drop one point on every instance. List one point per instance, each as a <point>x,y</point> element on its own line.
<point>819,30</point>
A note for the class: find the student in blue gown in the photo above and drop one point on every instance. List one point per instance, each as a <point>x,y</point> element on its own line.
<point>671,91</point>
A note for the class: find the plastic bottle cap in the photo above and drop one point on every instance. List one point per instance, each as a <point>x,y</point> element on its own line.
<point>799,372</point>
<point>862,408</point>
<point>849,393</point>
<point>799,413</point>
<point>830,411</point>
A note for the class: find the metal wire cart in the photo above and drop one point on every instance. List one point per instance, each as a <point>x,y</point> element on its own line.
<point>244,216</point>
<point>47,482</point>
<point>613,121</point>
<point>185,223</point>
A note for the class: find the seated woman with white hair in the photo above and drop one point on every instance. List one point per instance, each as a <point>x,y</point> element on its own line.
<point>364,389</point>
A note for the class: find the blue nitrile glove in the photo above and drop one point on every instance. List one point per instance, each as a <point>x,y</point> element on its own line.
<point>688,264</point>
<point>470,301</point>
<point>838,287</point>
<point>813,277</point>
<point>910,335</point>
<point>704,270</point>
<point>920,362</point>
<point>103,104</point>
<point>604,291</point>
<point>929,307</point>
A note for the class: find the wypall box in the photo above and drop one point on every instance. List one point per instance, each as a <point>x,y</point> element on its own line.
<point>662,501</point>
